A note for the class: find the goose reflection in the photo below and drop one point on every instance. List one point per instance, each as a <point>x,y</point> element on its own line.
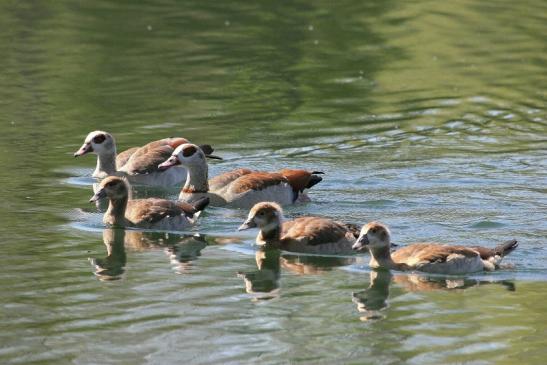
<point>185,252</point>
<point>311,265</point>
<point>373,300</point>
<point>181,250</point>
<point>264,282</point>
<point>112,266</point>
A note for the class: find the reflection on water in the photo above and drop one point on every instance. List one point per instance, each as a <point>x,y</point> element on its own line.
<point>112,266</point>
<point>373,300</point>
<point>181,250</point>
<point>183,253</point>
<point>265,280</point>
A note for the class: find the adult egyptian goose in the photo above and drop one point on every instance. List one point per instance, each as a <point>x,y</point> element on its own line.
<point>304,234</point>
<point>149,213</point>
<point>429,257</point>
<point>240,188</point>
<point>138,164</point>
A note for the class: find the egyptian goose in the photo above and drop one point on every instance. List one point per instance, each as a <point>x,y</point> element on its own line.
<point>138,164</point>
<point>149,213</point>
<point>240,188</point>
<point>429,257</point>
<point>304,234</point>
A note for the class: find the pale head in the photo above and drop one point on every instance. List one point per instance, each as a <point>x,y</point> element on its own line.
<point>98,142</point>
<point>113,187</point>
<point>186,154</point>
<point>266,216</point>
<point>373,235</point>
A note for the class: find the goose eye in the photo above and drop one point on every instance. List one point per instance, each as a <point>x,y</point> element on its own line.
<point>99,139</point>
<point>373,230</point>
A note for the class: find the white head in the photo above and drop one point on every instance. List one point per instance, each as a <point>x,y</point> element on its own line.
<point>374,235</point>
<point>187,155</point>
<point>97,142</point>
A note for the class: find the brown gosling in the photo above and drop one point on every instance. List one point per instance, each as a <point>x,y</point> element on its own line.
<point>429,257</point>
<point>152,213</point>
<point>304,234</point>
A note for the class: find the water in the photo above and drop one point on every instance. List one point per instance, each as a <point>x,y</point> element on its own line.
<point>428,116</point>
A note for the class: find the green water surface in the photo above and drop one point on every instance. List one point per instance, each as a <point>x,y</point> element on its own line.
<point>427,115</point>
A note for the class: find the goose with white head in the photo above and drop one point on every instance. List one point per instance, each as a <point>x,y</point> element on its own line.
<point>241,188</point>
<point>429,257</point>
<point>138,164</point>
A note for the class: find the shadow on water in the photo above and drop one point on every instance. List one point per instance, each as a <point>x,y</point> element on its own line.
<point>373,301</point>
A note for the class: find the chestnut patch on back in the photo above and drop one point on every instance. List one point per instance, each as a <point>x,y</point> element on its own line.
<point>99,138</point>
<point>188,151</point>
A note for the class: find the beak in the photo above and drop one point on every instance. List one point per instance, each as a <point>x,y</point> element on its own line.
<point>98,195</point>
<point>361,242</point>
<point>248,224</point>
<point>171,161</point>
<point>86,148</point>
<point>214,157</point>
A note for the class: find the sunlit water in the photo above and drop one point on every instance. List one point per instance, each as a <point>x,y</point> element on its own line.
<point>429,116</point>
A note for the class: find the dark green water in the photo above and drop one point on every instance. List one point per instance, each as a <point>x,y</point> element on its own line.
<point>429,116</point>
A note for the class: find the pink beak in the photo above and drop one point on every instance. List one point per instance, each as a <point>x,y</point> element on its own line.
<point>172,161</point>
<point>86,148</point>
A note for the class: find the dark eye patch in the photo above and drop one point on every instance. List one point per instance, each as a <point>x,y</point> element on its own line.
<point>373,230</point>
<point>99,139</point>
<point>188,151</point>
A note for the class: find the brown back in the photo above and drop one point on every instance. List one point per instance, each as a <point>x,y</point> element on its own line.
<point>258,181</point>
<point>430,252</point>
<point>226,178</point>
<point>314,230</point>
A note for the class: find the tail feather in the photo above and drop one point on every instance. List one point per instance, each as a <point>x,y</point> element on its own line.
<point>200,204</point>
<point>506,248</point>
<point>314,179</point>
<point>207,148</point>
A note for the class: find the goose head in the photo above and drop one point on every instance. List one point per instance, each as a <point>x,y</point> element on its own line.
<point>187,155</point>
<point>374,235</point>
<point>97,142</point>
<point>266,216</point>
<point>113,187</point>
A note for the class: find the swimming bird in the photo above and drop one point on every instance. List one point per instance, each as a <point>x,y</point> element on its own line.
<point>150,213</point>
<point>239,188</point>
<point>429,257</point>
<point>138,164</point>
<point>304,234</point>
